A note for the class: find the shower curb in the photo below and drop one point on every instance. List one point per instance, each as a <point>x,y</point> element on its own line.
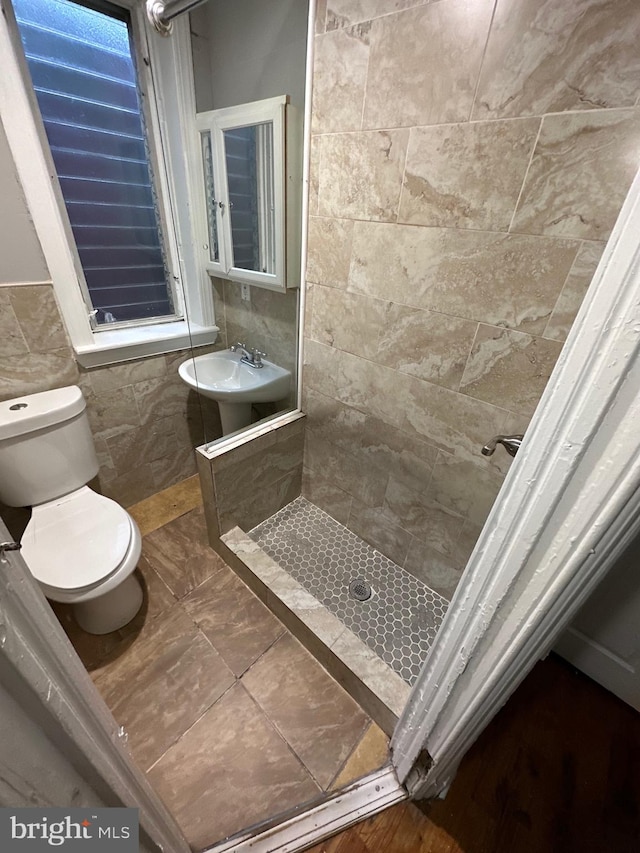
<point>380,691</point>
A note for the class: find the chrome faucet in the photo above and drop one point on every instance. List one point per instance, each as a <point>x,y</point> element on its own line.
<point>511,444</point>
<point>250,355</point>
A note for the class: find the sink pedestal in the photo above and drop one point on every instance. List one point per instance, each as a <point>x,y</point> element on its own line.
<point>234,416</point>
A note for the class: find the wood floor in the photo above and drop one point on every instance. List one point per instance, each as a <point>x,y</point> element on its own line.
<point>558,769</point>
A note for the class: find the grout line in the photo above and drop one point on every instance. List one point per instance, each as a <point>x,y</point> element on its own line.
<point>276,729</point>
<point>468,358</point>
<point>526,175</point>
<point>368,725</point>
<point>484,55</point>
<point>187,730</point>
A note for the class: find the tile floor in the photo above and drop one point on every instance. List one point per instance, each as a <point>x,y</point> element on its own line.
<point>400,620</point>
<point>232,719</point>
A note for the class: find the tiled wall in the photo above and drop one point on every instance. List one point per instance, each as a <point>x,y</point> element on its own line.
<point>144,419</point>
<point>469,158</point>
<point>246,485</point>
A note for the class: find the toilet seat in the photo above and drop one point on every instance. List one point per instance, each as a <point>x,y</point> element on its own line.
<point>74,543</point>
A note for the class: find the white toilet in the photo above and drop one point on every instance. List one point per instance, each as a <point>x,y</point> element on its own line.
<point>81,547</point>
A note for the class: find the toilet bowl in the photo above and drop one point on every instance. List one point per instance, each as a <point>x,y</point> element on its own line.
<point>81,549</point>
<point>80,546</point>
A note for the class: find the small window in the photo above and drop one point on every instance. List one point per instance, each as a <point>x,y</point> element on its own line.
<point>250,186</point>
<point>84,76</point>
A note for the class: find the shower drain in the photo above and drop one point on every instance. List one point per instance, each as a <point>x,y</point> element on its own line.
<point>360,590</point>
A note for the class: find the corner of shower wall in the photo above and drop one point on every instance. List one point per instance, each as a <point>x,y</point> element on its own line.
<point>247,483</point>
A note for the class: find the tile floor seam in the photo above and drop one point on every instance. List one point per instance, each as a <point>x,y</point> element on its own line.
<point>367,726</point>
<point>269,647</point>
<point>195,722</point>
<point>283,738</point>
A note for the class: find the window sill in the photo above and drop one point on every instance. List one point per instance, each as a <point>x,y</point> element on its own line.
<point>141,341</point>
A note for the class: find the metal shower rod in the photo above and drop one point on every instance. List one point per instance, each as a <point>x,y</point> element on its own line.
<point>161,13</point>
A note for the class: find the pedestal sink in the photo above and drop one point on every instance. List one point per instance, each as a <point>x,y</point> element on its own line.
<point>235,385</point>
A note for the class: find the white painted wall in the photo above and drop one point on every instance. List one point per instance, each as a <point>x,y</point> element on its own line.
<point>256,49</point>
<point>21,257</point>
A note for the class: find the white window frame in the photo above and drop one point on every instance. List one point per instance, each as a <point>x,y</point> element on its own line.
<point>216,122</point>
<point>165,70</point>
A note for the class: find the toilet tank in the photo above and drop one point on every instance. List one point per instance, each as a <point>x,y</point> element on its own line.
<point>46,447</point>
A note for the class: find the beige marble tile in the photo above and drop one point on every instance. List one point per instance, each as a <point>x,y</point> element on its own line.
<point>180,553</point>
<point>37,312</point>
<point>112,413</point>
<point>582,168</point>
<point>329,251</point>
<point>466,542</point>
<point>344,13</point>
<point>167,505</point>
<point>551,55</point>
<point>316,717</point>
<point>346,470</point>
<point>169,470</point>
<point>236,622</point>
<point>466,175</point>
<point>241,456</point>
<point>323,492</point>
<point>361,174</point>
<point>465,487</point>
<point>377,443</point>
<point>129,488</point>
<point>262,503</point>
<point>371,524</point>
<point>314,174</point>
<point>237,482</point>
<point>12,340</point>
<point>141,445</point>
<point>163,397</point>
<point>421,516</point>
<point>32,372</point>
<point>374,673</point>
<point>256,775</point>
<point>504,279</point>
<point>509,369</point>
<point>573,292</point>
<point>347,321</point>
<point>321,14</point>
<point>431,346</point>
<point>429,413</point>
<point>438,571</point>
<point>308,307</point>
<point>176,673</point>
<point>118,375</point>
<point>339,78</point>
<point>408,85</point>
<point>321,364</point>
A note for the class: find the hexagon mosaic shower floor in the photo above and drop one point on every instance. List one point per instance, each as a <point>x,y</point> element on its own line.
<point>400,620</point>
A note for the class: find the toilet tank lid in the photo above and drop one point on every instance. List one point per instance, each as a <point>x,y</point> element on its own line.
<point>37,411</point>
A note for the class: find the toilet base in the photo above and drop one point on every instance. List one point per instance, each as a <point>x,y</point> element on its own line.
<point>112,610</point>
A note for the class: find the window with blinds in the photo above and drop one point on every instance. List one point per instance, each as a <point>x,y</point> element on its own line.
<point>84,77</point>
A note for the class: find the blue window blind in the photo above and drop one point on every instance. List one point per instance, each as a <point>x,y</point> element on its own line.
<point>85,83</point>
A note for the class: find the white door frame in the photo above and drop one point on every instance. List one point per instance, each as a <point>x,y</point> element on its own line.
<point>568,509</point>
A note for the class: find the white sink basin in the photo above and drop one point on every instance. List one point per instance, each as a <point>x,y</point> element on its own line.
<point>235,385</point>
<point>223,377</point>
